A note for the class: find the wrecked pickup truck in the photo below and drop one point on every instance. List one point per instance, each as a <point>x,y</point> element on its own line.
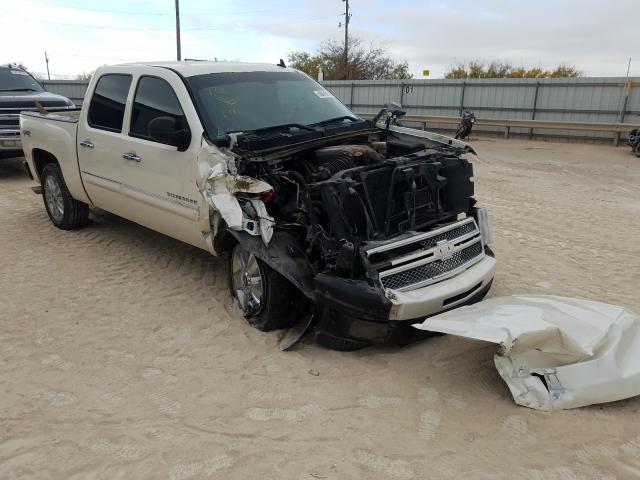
<point>358,228</point>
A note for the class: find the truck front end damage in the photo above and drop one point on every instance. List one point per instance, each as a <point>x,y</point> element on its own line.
<point>375,231</point>
<point>412,277</point>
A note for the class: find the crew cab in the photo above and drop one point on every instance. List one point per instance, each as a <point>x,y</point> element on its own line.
<point>355,228</point>
<point>20,91</point>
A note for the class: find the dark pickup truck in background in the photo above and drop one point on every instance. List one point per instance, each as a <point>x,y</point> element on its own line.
<point>19,91</point>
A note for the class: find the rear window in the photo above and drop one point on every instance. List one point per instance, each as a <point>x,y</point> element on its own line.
<point>106,110</point>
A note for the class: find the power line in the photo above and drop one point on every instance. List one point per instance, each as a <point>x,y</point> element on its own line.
<point>242,27</point>
<point>103,10</point>
<point>151,29</point>
<point>92,57</point>
<point>164,14</point>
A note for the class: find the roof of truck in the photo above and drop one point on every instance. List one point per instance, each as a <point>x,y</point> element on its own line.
<point>190,68</point>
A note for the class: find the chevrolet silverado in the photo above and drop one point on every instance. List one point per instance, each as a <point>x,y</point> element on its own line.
<point>359,227</point>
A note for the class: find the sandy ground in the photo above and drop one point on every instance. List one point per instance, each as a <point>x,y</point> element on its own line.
<point>121,357</point>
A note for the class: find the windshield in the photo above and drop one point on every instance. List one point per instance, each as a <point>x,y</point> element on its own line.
<point>247,101</point>
<point>16,80</point>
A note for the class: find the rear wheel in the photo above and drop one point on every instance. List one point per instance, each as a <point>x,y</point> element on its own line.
<point>64,211</point>
<point>268,301</point>
<point>636,150</point>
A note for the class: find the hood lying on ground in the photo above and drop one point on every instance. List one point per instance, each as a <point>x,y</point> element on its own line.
<point>555,353</point>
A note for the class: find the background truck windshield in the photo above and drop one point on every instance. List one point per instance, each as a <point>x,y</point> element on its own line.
<point>16,80</point>
<point>244,101</point>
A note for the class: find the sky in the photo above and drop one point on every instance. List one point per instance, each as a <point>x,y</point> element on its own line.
<point>596,36</point>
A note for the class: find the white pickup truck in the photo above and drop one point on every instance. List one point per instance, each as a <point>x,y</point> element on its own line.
<point>356,228</point>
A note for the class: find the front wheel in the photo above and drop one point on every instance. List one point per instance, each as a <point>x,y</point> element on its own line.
<point>268,301</point>
<point>636,150</point>
<point>64,211</point>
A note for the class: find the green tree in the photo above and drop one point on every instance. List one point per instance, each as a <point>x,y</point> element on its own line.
<point>400,72</point>
<point>563,70</point>
<point>309,64</point>
<point>498,69</point>
<point>368,62</point>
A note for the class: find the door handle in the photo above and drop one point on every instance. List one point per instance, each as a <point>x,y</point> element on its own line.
<point>131,156</point>
<point>86,144</point>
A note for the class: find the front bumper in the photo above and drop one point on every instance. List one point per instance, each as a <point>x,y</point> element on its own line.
<point>10,134</point>
<point>10,142</point>
<point>361,315</point>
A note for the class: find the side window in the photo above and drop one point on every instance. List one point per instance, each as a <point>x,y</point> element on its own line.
<point>106,110</point>
<point>156,112</point>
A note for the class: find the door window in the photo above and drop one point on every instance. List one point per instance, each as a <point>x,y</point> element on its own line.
<point>106,110</point>
<point>155,103</point>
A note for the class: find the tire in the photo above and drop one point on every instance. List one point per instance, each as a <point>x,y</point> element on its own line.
<point>64,211</point>
<point>636,150</point>
<point>280,303</point>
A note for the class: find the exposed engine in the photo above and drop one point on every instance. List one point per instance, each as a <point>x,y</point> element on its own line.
<point>332,199</point>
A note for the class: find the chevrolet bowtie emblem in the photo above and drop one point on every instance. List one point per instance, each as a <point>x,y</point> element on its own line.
<point>443,250</point>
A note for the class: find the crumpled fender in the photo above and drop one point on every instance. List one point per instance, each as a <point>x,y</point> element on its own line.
<point>555,352</point>
<point>218,182</point>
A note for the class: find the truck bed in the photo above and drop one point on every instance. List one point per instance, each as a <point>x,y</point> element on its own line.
<point>53,134</point>
<point>70,116</point>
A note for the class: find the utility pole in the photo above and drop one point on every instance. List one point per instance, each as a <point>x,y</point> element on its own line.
<point>347,17</point>
<point>46,59</point>
<point>178,29</point>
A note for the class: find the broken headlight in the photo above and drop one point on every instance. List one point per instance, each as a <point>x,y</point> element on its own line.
<point>482,217</point>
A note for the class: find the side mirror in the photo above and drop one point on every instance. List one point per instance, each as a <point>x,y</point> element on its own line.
<point>165,129</point>
<point>395,109</point>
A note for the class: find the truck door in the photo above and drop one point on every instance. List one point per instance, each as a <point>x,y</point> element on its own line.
<point>99,139</point>
<point>158,178</point>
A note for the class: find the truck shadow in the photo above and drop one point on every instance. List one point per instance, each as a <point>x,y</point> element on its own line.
<point>12,169</point>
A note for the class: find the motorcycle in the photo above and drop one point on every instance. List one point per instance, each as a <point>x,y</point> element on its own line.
<point>466,124</point>
<point>634,141</point>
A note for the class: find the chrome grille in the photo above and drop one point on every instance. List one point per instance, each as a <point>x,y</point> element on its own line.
<point>448,235</point>
<point>9,122</point>
<point>427,258</point>
<point>417,275</point>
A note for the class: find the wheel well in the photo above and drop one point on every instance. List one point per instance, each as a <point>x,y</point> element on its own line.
<point>42,158</point>
<point>224,241</point>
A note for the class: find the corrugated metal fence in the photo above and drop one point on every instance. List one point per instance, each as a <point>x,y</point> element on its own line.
<point>72,89</point>
<point>560,99</point>
<point>577,99</point>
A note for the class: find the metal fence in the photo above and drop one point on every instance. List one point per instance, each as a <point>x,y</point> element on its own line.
<point>560,99</point>
<point>72,89</point>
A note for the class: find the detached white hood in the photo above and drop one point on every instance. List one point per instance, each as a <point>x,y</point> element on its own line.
<point>555,352</point>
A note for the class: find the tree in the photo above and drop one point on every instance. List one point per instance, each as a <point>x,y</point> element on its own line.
<point>309,64</point>
<point>498,69</point>
<point>85,75</point>
<point>363,63</point>
<point>19,65</point>
<point>38,76</point>
<point>400,72</point>
<point>563,70</point>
